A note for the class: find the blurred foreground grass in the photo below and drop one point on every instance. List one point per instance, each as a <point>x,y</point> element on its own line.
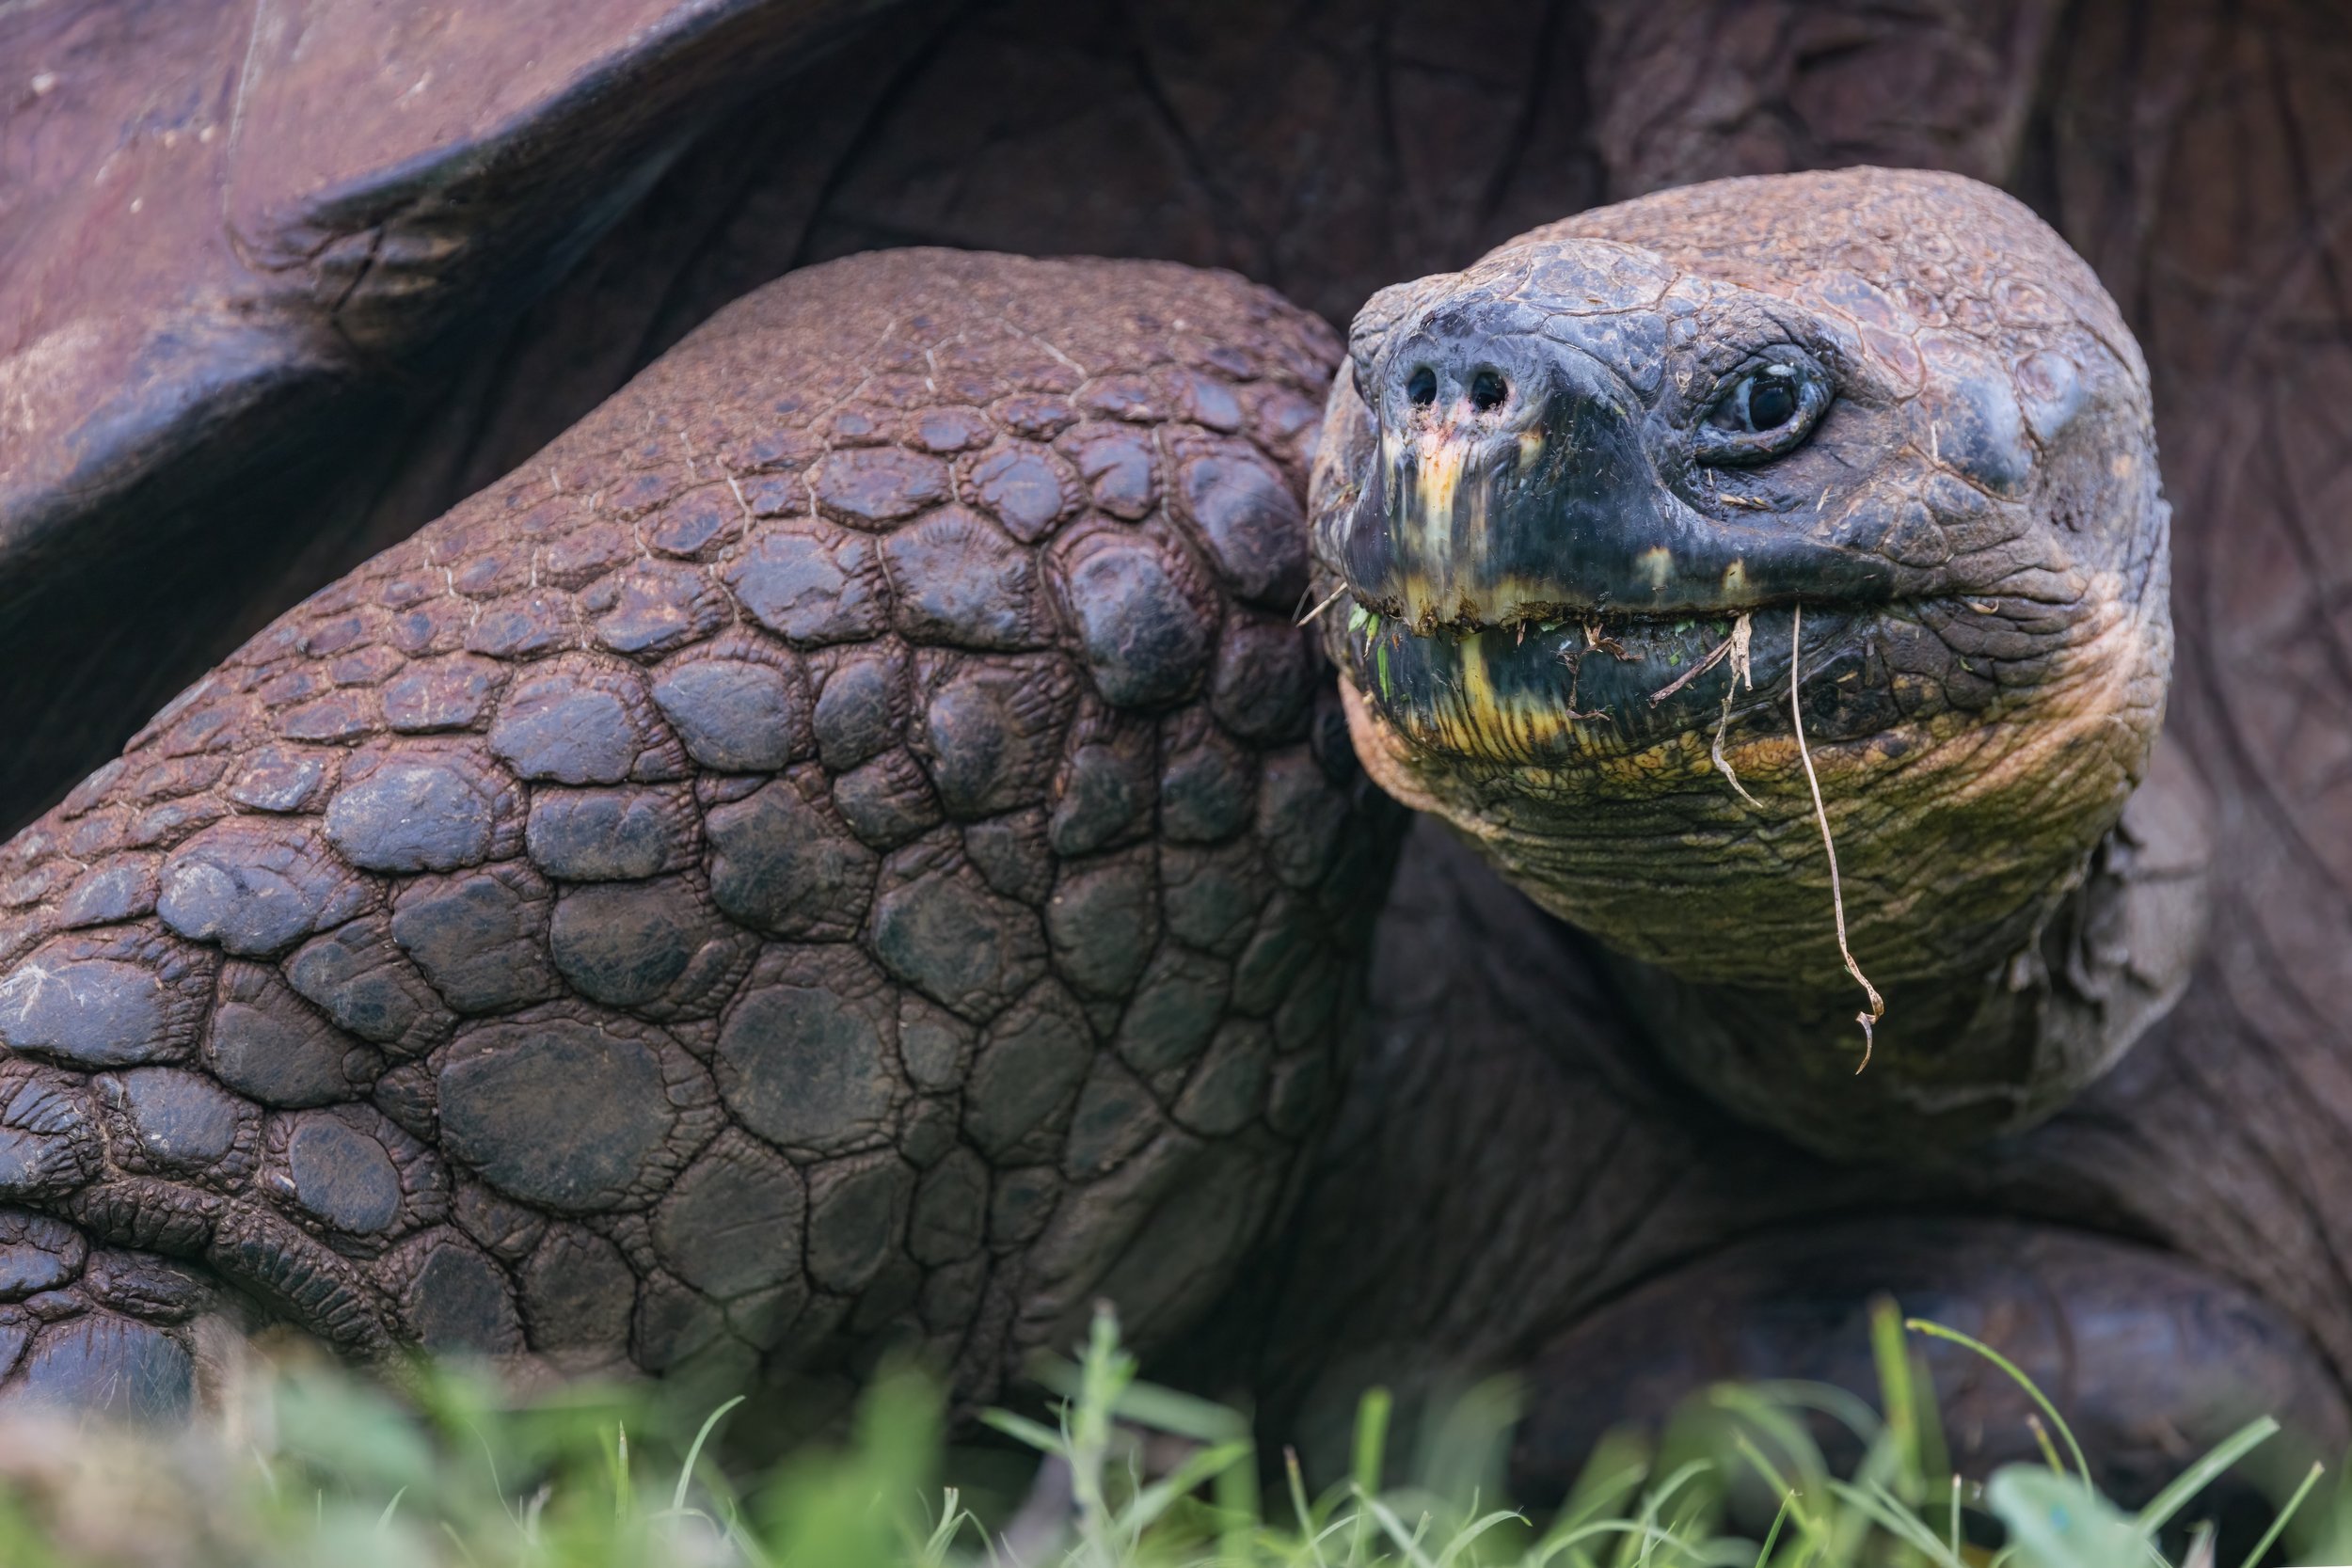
<point>316,1467</point>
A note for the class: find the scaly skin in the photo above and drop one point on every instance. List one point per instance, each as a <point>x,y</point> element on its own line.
<point>1538,494</point>
<point>840,847</point>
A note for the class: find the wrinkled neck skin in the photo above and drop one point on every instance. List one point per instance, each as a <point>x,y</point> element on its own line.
<point>1966,589</point>
<point>2058,960</point>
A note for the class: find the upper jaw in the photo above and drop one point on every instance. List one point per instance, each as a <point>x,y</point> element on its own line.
<point>1561,520</point>
<point>1578,495</point>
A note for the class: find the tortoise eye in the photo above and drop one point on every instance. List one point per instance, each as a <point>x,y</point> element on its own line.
<point>1763,411</point>
<point>1771,404</point>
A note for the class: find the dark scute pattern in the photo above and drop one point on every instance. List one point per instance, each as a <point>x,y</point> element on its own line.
<point>345,1176</point>
<point>418,810</point>
<point>456,1300</point>
<point>1103,923</point>
<point>1119,468</point>
<point>960,581</point>
<point>577,1292</point>
<point>811,583</point>
<point>280,778</point>
<point>1144,636</point>
<point>1244,510</point>
<point>782,864</point>
<point>990,732</point>
<point>732,1225</point>
<point>1032,1060</point>
<point>92,1012</point>
<point>358,977</point>
<point>1175,1009</point>
<point>857,1207</point>
<point>110,894</point>
<point>807,1055</point>
<point>886,799</point>
<point>37,1254</point>
<point>764,880</point>
<point>633,945</point>
<point>255,886</point>
<point>1028,490</point>
<point>481,939</point>
<point>103,1365</point>
<point>734,715</point>
<point>1263,678</point>
<point>858,711</point>
<point>1104,793</point>
<point>268,1045</point>
<point>556,1112</point>
<point>945,933</point>
<point>450,694</point>
<point>584,723</point>
<point>609,834</point>
<point>178,1117</point>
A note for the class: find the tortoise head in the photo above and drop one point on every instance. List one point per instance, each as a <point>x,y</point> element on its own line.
<point>1594,500</point>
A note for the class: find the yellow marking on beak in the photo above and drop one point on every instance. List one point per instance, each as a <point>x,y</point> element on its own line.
<point>1736,578</point>
<point>1478,689</point>
<point>1430,476</point>
<point>1658,561</point>
<point>1437,480</point>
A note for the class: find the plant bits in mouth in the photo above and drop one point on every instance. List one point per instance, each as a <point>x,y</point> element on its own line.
<point>1580,685</point>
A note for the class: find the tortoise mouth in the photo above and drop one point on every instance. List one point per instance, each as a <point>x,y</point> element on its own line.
<point>1564,683</point>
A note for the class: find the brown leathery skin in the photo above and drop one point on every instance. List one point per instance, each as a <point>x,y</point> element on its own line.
<point>1972,532</point>
<point>845,845</point>
<point>1515,1176</point>
<point>2086,1317</point>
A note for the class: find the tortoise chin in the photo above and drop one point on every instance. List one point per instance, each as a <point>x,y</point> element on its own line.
<point>1614,524</point>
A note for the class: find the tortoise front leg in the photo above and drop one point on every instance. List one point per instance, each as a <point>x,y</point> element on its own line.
<point>845,848</point>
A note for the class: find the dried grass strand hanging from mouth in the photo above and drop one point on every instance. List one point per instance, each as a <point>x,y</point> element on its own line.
<point>1820,813</point>
<point>1327,604</point>
<point>1742,674</point>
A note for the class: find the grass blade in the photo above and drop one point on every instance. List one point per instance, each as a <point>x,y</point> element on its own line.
<point>1770,1536</point>
<point>1892,1353</point>
<point>2197,1477</point>
<point>694,1451</point>
<point>2033,1391</point>
<point>2310,1478</point>
<point>1036,1434</point>
<point>1307,1531</point>
<point>1885,1510</point>
<point>1371,1450</point>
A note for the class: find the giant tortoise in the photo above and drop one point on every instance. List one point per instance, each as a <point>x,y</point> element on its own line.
<point>874,819</point>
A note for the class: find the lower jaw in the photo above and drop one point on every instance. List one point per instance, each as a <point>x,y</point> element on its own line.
<point>1577,690</point>
<point>1699,848</point>
<point>1958,842</point>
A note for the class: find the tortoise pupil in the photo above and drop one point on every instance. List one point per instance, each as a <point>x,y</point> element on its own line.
<point>1771,405</point>
<point>1488,390</point>
<point>1423,387</point>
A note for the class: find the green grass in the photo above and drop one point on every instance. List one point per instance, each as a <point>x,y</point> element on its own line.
<point>314,1467</point>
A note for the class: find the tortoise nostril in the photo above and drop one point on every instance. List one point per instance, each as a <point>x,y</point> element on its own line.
<point>1488,390</point>
<point>1422,387</point>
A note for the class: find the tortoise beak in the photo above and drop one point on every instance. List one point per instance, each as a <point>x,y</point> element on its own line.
<point>1521,477</point>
